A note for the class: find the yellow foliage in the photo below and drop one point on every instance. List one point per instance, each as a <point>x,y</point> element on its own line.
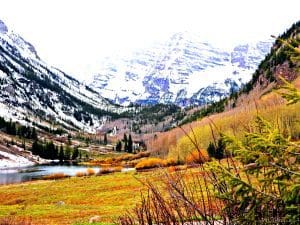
<point>155,162</point>
<point>90,171</point>
<point>197,157</point>
<point>236,123</point>
<point>172,169</point>
<point>149,163</point>
<point>117,169</point>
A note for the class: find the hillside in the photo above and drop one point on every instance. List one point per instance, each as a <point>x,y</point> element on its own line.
<point>236,113</point>
<point>32,88</point>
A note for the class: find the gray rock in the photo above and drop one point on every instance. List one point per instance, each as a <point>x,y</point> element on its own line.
<point>60,203</point>
<point>94,219</point>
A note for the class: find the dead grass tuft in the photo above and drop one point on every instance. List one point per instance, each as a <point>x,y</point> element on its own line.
<point>107,170</point>
<point>55,176</point>
<point>12,221</point>
<point>90,172</point>
<point>80,174</point>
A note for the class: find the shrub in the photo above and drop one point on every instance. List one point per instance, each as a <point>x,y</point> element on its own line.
<point>55,176</point>
<point>90,172</point>
<point>172,169</point>
<point>197,157</point>
<point>150,163</point>
<point>170,162</point>
<point>80,174</point>
<point>104,171</point>
<point>155,162</point>
<point>123,159</point>
<point>117,169</point>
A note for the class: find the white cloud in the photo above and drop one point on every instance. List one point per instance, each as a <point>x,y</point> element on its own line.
<point>74,34</point>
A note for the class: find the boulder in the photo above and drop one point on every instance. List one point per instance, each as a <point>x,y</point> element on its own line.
<point>94,219</point>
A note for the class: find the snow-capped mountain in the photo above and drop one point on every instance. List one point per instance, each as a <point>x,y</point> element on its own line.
<point>184,71</point>
<point>29,88</point>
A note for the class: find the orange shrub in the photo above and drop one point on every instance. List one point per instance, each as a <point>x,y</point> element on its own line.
<point>197,157</point>
<point>107,170</point>
<point>170,162</point>
<point>55,176</point>
<point>80,174</point>
<point>108,161</point>
<point>155,162</point>
<point>117,169</point>
<point>130,157</point>
<point>104,171</point>
<point>140,155</point>
<point>172,169</point>
<point>149,163</point>
<point>90,172</point>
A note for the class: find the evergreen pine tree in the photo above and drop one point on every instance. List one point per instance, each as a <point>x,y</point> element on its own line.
<point>125,142</point>
<point>50,151</point>
<point>13,128</point>
<point>105,139</point>
<point>67,153</point>
<point>35,148</point>
<point>119,146</point>
<point>69,139</point>
<point>129,144</point>
<point>56,152</point>
<point>211,149</point>
<point>75,153</point>
<point>33,134</point>
<point>220,149</point>
<point>23,144</point>
<point>61,155</point>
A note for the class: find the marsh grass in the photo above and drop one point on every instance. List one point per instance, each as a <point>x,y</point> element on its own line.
<point>55,176</point>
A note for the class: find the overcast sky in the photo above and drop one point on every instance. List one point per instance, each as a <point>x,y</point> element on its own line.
<point>74,34</point>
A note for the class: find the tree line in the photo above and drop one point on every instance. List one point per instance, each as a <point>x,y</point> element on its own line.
<point>13,128</point>
<point>51,151</point>
<point>127,146</point>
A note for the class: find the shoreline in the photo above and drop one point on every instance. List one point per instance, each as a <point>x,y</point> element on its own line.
<point>10,161</point>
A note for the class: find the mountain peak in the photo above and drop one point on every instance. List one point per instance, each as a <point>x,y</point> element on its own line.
<point>3,27</point>
<point>184,70</point>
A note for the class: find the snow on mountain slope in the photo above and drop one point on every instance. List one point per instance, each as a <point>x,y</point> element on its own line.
<point>29,88</point>
<point>184,71</point>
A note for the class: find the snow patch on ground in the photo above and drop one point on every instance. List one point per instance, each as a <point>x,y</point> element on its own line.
<point>8,160</point>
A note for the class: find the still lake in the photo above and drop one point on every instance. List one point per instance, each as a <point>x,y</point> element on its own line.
<point>19,175</point>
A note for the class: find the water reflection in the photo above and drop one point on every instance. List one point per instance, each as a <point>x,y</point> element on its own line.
<point>10,176</point>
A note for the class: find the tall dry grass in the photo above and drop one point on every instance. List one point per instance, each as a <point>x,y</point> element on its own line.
<point>155,163</point>
<point>10,220</point>
<point>175,144</point>
<point>55,176</point>
<point>235,123</point>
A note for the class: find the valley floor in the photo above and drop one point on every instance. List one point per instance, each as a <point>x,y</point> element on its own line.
<point>72,200</point>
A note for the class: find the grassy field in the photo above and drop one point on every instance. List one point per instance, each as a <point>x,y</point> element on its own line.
<point>108,196</point>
